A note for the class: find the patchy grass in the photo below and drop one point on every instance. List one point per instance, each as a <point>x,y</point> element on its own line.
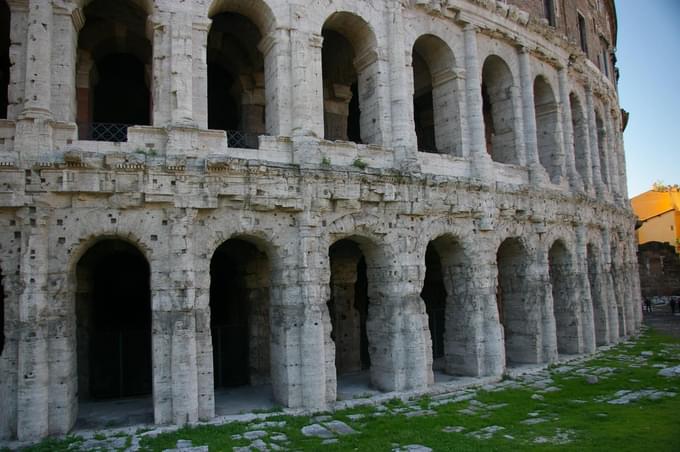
<point>556,409</point>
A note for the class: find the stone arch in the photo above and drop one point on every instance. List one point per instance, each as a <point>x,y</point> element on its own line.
<point>499,111</point>
<point>567,318</point>
<point>237,88</point>
<point>356,309</point>
<point>602,147</point>
<point>5,23</point>
<point>145,5</point>
<point>445,296</point>
<point>580,127</point>
<point>240,281</point>
<point>546,111</point>
<point>113,320</point>
<point>520,322</point>
<point>435,96</point>
<point>348,307</point>
<point>257,11</point>
<point>113,73</point>
<point>350,69</point>
<point>83,245</point>
<point>596,280</point>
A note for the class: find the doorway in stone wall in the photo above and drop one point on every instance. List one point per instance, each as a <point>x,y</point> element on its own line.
<point>434,294</point>
<point>239,324</point>
<point>113,312</point>
<point>348,310</point>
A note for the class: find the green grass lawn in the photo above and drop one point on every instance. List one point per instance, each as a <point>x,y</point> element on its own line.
<point>553,410</point>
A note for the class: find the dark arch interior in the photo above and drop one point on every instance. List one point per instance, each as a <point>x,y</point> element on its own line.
<point>423,105</point>
<point>121,95</point>
<point>113,308</point>
<point>434,295</point>
<point>239,314</point>
<point>342,115</point>
<point>4,57</point>
<point>117,91</point>
<point>545,110</point>
<point>348,307</point>
<point>498,110</point>
<point>236,79</point>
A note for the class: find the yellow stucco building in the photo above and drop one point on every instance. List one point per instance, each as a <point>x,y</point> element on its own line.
<point>659,212</point>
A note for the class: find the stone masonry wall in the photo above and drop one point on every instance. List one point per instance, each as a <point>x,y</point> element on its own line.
<point>536,247</point>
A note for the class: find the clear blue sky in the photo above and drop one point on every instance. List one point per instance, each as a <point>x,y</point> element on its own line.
<point>648,52</point>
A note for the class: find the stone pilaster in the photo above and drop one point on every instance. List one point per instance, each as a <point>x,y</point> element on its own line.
<point>276,48</point>
<point>473,337</point>
<point>175,375</point>
<point>158,25</point>
<point>399,342</point>
<point>303,358</point>
<point>307,83</point>
<point>537,173</point>
<point>540,297</point>
<point>38,86</point>
<point>594,140</point>
<point>33,332</point>
<point>585,301</point>
<point>612,154</point>
<point>199,69</point>
<point>404,140</point>
<point>481,161</point>
<point>34,123</point>
<point>616,329</point>
<point>181,68</point>
<point>68,21</point>
<point>568,132</point>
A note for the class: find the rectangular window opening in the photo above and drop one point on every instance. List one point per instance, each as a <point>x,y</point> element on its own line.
<point>583,33</point>
<point>549,10</point>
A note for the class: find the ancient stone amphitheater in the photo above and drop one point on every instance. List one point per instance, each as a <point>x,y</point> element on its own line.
<point>288,198</point>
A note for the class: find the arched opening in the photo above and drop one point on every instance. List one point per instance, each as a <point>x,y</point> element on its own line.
<point>599,306</point>
<point>239,315</point>
<point>435,296</point>
<point>518,320</point>
<point>602,148</point>
<point>545,109</point>
<point>236,80</point>
<point>565,311</point>
<point>350,72</point>
<point>113,76</point>
<point>580,127</point>
<point>113,313</point>
<point>348,307</point>
<point>498,110</point>
<point>5,21</point>
<point>435,97</point>
<point>444,292</point>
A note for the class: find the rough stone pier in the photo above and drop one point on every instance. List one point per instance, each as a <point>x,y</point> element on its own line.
<point>198,195</point>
